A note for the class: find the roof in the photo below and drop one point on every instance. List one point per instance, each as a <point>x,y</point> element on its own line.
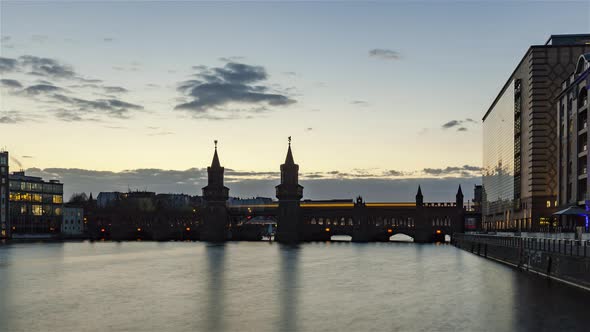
<point>289,159</point>
<point>215,163</point>
<point>546,45</point>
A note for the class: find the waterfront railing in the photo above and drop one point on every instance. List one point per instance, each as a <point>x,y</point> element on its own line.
<point>567,247</point>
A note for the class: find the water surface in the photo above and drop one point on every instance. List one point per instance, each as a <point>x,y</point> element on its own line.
<point>247,286</point>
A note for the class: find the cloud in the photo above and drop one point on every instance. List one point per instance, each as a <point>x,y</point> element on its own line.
<point>47,67</point>
<point>360,102</point>
<point>11,84</point>
<point>8,65</point>
<point>11,117</point>
<point>235,88</point>
<point>393,172</point>
<point>81,108</point>
<point>451,124</point>
<point>243,184</point>
<point>114,89</point>
<point>43,67</point>
<point>70,104</point>
<point>459,124</point>
<point>454,170</point>
<point>41,88</point>
<point>385,54</point>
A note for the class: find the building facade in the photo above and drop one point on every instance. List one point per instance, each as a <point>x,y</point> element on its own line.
<point>36,206</point>
<point>572,112</point>
<point>520,144</point>
<point>4,190</point>
<point>73,221</point>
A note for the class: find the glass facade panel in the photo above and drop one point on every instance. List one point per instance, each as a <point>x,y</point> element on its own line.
<point>498,155</point>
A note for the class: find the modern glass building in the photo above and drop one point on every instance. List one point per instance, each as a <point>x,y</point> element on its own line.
<point>36,206</point>
<point>520,138</point>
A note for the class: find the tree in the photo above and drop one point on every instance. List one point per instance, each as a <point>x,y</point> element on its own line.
<point>78,198</point>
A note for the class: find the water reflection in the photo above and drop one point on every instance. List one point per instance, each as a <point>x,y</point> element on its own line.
<point>215,256</point>
<point>289,288</point>
<point>144,286</point>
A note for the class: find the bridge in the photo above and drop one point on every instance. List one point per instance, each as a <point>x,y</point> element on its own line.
<point>302,221</point>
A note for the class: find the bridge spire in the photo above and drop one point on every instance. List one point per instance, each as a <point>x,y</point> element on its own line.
<point>289,160</point>
<point>215,163</point>
<point>419,197</point>
<point>459,198</point>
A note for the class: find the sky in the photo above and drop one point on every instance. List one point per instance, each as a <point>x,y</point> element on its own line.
<point>378,96</point>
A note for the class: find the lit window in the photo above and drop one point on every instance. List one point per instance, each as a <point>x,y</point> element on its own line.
<point>37,210</point>
<point>548,203</point>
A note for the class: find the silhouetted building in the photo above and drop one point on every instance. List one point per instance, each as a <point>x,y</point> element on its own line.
<point>105,199</point>
<point>233,201</point>
<point>520,137</point>
<point>174,201</point>
<point>572,112</point>
<point>289,192</point>
<point>477,198</point>
<point>215,195</point>
<point>73,221</point>
<point>36,206</point>
<point>4,190</point>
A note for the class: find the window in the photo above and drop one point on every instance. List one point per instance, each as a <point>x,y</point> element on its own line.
<point>57,199</point>
<point>37,210</point>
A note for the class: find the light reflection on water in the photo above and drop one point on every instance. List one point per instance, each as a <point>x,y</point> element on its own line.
<point>247,286</point>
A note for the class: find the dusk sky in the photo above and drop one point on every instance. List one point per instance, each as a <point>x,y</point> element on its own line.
<point>377,96</point>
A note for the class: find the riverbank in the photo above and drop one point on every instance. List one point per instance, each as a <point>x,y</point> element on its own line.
<point>566,261</point>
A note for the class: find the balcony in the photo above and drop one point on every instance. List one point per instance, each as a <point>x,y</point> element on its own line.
<point>583,151</point>
<point>583,127</point>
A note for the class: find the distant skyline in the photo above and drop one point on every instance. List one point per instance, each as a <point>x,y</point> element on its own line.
<point>381,92</point>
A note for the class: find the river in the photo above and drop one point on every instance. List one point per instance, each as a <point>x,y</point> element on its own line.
<point>258,286</point>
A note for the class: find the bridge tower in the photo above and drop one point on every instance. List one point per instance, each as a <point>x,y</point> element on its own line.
<point>419,197</point>
<point>289,193</point>
<point>459,223</point>
<point>422,227</point>
<point>360,228</point>
<point>215,196</point>
<point>459,198</point>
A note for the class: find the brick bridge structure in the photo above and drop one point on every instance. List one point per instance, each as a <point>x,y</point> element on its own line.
<point>301,221</point>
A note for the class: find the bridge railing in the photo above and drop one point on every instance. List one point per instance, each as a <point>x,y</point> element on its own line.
<point>567,247</point>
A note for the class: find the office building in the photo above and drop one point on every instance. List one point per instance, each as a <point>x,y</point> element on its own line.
<point>572,112</point>
<point>36,206</point>
<point>73,221</point>
<point>520,138</point>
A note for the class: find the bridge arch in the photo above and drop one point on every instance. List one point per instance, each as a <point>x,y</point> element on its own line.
<point>401,237</point>
<point>341,238</point>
